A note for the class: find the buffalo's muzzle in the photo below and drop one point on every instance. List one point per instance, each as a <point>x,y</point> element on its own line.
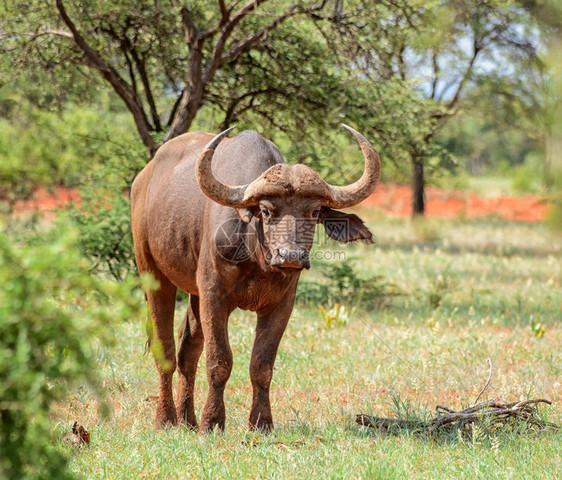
<point>287,257</point>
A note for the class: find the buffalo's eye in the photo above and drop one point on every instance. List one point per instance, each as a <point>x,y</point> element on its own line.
<point>265,212</point>
<point>316,213</point>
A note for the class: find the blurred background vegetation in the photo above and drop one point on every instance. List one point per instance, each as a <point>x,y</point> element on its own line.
<point>447,91</point>
<point>444,89</point>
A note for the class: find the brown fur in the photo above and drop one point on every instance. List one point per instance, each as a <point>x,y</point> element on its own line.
<point>177,237</point>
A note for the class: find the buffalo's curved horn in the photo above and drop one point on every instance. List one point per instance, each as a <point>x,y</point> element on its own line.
<point>342,197</point>
<point>212,187</point>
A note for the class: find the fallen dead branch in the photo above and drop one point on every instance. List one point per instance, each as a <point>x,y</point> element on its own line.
<point>489,413</point>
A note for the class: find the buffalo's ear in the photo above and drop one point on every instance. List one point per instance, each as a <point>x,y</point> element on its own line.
<point>246,214</point>
<point>344,227</point>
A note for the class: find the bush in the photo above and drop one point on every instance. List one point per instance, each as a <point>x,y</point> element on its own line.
<point>103,216</point>
<point>527,178</point>
<point>51,310</point>
<point>341,284</point>
<point>46,146</point>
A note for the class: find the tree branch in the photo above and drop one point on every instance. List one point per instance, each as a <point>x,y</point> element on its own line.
<point>59,33</point>
<point>225,13</point>
<point>141,68</point>
<point>226,31</point>
<point>131,71</point>
<point>117,82</point>
<point>191,31</point>
<point>250,42</point>
<point>435,74</point>
<point>175,108</point>
<point>468,72</point>
<point>231,113</point>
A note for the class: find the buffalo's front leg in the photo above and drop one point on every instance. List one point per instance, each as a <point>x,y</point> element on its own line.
<point>214,321</point>
<point>269,330</point>
<point>190,346</point>
<point>162,303</point>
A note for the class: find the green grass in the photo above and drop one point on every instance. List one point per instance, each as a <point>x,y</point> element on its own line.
<point>491,279</point>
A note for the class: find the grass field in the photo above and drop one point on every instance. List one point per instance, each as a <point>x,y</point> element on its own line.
<point>468,291</point>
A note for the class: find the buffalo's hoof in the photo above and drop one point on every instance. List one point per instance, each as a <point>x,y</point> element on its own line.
<point>261,424</point>
<point>212,416</point>
<point>166,416</point>
<point>208,424</point>
<point>187,418</point>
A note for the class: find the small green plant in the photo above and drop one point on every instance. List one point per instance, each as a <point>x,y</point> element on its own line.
<point>411,414</point>
<point>434,299</point>
<point>337,316</point>
<point>537,328</point>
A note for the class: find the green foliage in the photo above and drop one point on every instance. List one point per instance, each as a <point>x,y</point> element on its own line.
<point>340,284</point>
<point>528,176</point>
<point>41,146</point>
<point>481,143</point>
<point>103,219</point>
<point>51,310</point>
<point>103,216</point>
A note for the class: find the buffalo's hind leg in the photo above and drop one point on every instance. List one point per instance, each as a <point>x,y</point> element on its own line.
<point>162,303</point>
<point>190,346</point>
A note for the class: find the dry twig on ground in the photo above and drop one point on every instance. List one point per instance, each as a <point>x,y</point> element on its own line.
<point>489,413</point>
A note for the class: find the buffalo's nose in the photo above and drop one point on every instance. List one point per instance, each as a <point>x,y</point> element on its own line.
<point>293,258</point>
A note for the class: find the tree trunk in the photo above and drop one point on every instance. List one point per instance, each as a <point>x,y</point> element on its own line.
<point>418,184</point>
<point>192,99</point>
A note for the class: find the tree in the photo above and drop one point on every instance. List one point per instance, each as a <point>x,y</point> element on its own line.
<point>548,14</point>
<point>481,42</point>
<point>439,49</point>
<point>165,63</point>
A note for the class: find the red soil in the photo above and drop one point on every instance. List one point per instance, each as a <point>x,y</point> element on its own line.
<point>395,200</point>
<point>47,201</point>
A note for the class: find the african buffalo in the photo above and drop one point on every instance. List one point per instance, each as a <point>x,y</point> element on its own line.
<point>234,235</point>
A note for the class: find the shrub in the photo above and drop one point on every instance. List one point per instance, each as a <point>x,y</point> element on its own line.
<point>50,312</point>
<point>103,216</point>
<point>553,220</point>
<point>527,177</point>
<point>43,145</point>
<point>341,284</point>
